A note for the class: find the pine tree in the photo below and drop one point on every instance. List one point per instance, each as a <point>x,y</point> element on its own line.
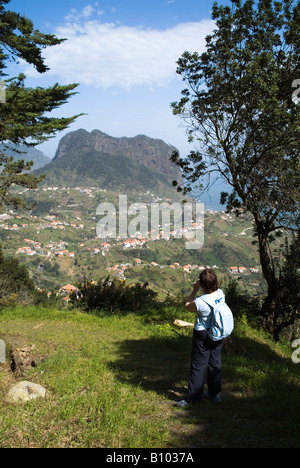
<point>25,112</point>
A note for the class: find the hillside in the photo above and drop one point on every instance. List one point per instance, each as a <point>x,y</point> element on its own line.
<point>58,242</point>
<point>123,165</point>
<point>58,239</point>
<point>28,154</point>
<point>149,152</point>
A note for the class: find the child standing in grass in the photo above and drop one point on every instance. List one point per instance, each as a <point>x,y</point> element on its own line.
<point>206,354</point>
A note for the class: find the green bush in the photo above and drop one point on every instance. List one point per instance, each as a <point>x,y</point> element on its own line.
<point>240,302</point>
<point>16,286</point>
<point>113,295</point>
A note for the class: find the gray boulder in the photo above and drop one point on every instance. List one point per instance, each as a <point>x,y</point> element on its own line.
<point>25,391</point>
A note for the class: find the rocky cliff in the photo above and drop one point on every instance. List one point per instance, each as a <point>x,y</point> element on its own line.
<point>152,153</point>
<point>123,165</point>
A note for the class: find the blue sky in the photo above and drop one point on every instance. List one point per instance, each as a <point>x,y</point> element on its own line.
<point>123,54</point>
<point>157,13</point>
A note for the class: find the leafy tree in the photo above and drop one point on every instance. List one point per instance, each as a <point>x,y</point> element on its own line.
<point>25,114</point>
<point>239,110</point>
<point>289,287</point>
<point>16,286</point>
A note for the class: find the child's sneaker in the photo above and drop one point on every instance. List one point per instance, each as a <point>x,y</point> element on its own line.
<point>182,404</point>
<point>216,398</point>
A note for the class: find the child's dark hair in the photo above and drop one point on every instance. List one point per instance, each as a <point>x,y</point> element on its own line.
<point>208,280</point>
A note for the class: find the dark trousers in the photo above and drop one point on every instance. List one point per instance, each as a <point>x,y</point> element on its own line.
<point>206,359</point>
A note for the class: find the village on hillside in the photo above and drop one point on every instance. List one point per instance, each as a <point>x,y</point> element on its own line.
<point>72,218</point>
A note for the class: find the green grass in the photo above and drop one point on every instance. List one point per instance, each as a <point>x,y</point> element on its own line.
<point>112,382</point>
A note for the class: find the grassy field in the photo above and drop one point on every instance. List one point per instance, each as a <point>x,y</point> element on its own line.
<point>112,382</point>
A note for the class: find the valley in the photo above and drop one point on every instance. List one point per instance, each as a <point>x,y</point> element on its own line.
<point>59,240</point>
<point>58,243</point>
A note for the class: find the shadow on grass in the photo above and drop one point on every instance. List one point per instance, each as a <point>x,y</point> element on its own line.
<point>260,399</point>
<point>155,364</point>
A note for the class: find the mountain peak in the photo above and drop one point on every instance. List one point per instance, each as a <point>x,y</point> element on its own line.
<point>152,153</point>
<point>124,165</point>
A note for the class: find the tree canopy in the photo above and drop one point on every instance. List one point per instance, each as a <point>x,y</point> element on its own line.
<point>25,113</point>
<point>19,39</point>
<point>240,114</point>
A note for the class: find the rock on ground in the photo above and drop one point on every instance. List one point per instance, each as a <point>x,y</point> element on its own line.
<point>25,391</point>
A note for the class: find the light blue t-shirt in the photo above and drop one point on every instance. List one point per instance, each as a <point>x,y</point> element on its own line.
<point>202,321</point>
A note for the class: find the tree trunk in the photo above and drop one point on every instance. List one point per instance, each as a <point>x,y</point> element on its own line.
<point>268,309</point>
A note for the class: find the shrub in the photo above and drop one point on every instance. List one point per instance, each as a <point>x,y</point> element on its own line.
<point>113,295</point>
<point>240,302</point>
<point>16,286</point>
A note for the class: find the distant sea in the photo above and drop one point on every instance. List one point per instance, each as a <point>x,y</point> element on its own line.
<point>211,198</point>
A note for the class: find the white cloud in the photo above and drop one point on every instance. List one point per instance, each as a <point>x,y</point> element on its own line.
<point>111,55</point>
<point>86,12</point>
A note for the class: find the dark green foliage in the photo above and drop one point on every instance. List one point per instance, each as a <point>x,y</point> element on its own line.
<point>288,288</point>
<point>16,287</point>
<point>241,302</point>
<point>25,114</point>
<point>16,273</point>
<point>115,172</point>
<point>41,207</point>
<point>113,295</point>
<point>19,39</point>
<point>238,103</point>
